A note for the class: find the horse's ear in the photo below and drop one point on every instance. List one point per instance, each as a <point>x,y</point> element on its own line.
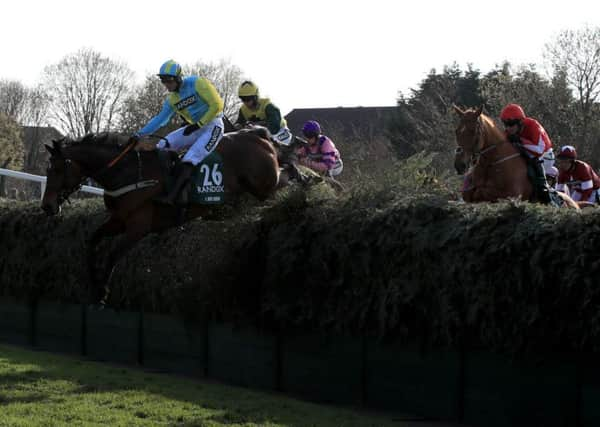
<point>50,149</point>
<point>458,110</point>
<point>479,110</point>
<point>56,148</point>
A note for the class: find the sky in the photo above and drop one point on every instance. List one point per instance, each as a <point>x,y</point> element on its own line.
<point>301,54</point>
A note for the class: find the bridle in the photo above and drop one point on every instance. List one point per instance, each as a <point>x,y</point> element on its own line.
<point>64,193</point>
<point>479,152</point>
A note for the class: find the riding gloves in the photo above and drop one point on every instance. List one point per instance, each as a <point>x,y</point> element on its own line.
<point>190,128</point>
<point>514,138</point>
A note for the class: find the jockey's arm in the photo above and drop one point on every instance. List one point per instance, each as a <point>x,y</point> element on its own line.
<point>241,120</point>
<point>273,118</point>
<point>319,166</point>
<point>157,121</point>
<point>587,184</point>
<point>532,148</point>
<point>209,94</point>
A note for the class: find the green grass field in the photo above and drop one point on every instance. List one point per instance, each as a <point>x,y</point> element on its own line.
<point>42,389</point>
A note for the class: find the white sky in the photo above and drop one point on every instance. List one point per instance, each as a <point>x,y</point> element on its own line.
<point>303,53</point>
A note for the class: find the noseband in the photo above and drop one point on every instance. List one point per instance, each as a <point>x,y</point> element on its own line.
<point>64,193</point>
<point>479,152</point>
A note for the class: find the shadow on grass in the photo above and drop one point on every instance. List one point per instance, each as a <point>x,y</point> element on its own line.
<point>232,406</point>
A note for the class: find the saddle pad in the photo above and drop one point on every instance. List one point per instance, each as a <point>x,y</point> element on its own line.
<point>207,186</point>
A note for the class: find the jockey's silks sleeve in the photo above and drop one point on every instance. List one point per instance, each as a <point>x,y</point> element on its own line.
<point>211,97</point>
<point>158,121</point>
<point>265,112</point>
<point>534,138</point>
<point>321,156</point>
<point>273,118</point>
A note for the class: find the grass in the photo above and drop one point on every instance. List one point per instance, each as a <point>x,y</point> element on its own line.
<point>42,389</point>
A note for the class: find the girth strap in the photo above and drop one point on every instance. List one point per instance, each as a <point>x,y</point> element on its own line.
<point>131,187</point>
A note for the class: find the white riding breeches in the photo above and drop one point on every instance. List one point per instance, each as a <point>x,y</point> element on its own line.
<point>548,160</point>
<point>337,168</point>
<point>284,136</point>
<point>201,142</point>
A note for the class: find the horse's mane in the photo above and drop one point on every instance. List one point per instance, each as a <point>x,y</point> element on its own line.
<point>260,131</point>
<point>111,139</point>
<point>489,123</point>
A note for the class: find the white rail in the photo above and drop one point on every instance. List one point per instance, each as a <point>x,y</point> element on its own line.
<point>42,181</point>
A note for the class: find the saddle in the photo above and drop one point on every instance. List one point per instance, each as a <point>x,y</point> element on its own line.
<point>206,184</point>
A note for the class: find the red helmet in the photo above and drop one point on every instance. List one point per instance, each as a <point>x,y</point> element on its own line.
<point>512,112</point>
<point>567,152</point>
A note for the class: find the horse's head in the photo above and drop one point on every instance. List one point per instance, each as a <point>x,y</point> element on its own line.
<point>467,132</point>
<point>63,178</point>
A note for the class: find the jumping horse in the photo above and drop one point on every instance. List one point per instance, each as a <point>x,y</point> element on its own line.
<point>132,178</point>
<point>495,168</point>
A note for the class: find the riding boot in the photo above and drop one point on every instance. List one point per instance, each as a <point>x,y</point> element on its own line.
<point>180,183</point>
<point>542,189</point>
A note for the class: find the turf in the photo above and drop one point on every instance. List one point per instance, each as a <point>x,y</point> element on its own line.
<point>42,389</point>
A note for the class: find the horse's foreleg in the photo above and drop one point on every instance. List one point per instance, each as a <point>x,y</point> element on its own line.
<point>138,225</point>
<point>110,227</point>
<point>114,256</point>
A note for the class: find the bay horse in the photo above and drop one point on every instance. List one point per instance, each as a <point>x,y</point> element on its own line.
<point>496,168</point>
<point>132,178</point>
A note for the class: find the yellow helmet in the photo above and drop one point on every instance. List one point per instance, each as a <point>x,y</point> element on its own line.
<point>248,89</point>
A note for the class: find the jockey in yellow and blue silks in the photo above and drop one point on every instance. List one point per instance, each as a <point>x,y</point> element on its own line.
<point>196,101</point>
<point>261,111</point>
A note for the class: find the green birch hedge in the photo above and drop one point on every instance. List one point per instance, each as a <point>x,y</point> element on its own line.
<point>383,261</point>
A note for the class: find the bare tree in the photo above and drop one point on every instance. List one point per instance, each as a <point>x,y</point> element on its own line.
<point>11,147</point>
<point>36,109</point>
<point>36,115</point>
<point>226,77</point>
<point>576,53</point>
<point>86,91</point>
<point>13,99</point>
<point>141,105</point>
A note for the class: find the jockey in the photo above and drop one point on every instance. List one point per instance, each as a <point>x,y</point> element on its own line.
<point>577,176</point>
<point>198,103</point>
<point>320,153</point>
<point>533,142</point>
<point>257,110</point>
<point>551,176</point>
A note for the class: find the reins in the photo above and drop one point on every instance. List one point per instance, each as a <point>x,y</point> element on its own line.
<point>64,194</point>
<point>480,152</point>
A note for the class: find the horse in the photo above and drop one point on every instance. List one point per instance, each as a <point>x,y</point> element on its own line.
<point>288,161</point>
<point>497,168</point>
<point>133,177</point>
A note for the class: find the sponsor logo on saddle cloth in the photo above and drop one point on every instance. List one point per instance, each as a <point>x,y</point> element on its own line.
<point>207,181</point>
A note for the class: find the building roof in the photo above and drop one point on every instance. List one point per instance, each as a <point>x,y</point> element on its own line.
<point>34,138</point>
<point>35,134</point>
<point>347,119</point>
